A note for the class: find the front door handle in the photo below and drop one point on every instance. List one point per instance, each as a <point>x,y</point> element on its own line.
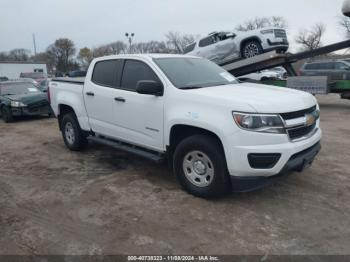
<point>90,94</point>
<point>120,99</point>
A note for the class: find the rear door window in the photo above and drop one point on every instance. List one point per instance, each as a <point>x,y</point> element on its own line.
<point>135,71</point>
<point>328,66</point>
<point>311,67</point>
<point>107,73</point>
<point>320,66</point>
<point>341,66</point>
<point>206,41</point>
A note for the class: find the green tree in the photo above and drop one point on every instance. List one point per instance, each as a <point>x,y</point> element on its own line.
<point>85,56</point>
<point>62,52</point>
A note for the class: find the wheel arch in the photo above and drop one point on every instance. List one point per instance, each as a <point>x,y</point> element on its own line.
<point>62,110</point>
<point>245,40</point>
<point>178,132</point>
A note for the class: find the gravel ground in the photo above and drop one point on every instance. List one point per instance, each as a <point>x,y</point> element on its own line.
<point>102,201</point>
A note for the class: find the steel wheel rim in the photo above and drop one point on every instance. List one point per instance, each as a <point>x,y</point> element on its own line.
<point>251,50</point>
<point>198,168</point>
<point>69,133</point>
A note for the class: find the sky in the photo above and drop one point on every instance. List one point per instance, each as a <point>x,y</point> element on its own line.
<point>92,23</point>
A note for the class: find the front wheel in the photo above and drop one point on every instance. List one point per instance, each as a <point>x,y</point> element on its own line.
<point>251,48</point>
<point>200,166</point>
<point>6,114</point>
<point>73,136</point>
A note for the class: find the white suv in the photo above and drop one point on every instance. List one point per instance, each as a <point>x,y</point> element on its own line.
<point>221,47</point>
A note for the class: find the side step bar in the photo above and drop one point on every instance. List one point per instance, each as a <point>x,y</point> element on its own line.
<point>151,155</point>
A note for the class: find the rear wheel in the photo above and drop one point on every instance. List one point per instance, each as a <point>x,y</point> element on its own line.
<point>251,48</point>
<point>6,114</point>
<point>73,136</point>
<point>200,166</point>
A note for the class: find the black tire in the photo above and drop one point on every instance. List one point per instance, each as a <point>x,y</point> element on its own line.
<point>220,182</point>
<point>6,114</point>
<point>251,48</point>
<point>264,78</point>
<point>73,136</point>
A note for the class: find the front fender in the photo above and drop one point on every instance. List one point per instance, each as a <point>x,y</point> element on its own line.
<point>221,124</point>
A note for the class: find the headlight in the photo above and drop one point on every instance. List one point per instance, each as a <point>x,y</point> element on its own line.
<point>17,104</point>
<point>268,31</point>
<point>260,122</point>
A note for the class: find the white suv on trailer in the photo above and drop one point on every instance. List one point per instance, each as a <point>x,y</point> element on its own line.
<point>221,47</point>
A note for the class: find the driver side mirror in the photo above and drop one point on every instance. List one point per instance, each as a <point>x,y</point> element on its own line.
<point>149,87</point>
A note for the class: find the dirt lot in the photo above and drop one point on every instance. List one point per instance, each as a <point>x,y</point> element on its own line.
<point>101,201</point>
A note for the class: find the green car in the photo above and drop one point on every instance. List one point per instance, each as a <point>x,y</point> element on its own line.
<point>21,98</point>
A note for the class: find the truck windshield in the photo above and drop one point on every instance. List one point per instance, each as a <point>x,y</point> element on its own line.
<point>18,89</point>
<point>188,73</point>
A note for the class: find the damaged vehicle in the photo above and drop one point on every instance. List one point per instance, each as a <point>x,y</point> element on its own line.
<point>22,98</point>
<point>221,47</point>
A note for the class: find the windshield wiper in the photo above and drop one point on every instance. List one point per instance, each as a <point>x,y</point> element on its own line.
<point>190,87</point>
<point>8,94</point>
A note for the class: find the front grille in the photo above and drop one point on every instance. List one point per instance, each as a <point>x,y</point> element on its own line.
<point>297,114</point>
<point>298,132</point>
<point>280,33</point>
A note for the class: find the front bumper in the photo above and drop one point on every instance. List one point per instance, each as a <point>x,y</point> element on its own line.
<point>27,111</point>
<point>283,42</point>
<point>240,144</point>
<point>279,44</point>
<point>296,162</point>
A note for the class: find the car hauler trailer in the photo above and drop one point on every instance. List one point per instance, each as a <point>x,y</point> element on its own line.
<point>273,59</point>
<point>309,84</point>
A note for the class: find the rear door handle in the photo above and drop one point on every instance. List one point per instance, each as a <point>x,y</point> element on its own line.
<point>90,94</point>
<point>120,99</point>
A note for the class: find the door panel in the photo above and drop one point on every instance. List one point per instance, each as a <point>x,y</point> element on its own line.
<point>226,49</point>
<point>99,95</point>
<point>100,108</point>
<point>138,118</point>
<point>207,48</point>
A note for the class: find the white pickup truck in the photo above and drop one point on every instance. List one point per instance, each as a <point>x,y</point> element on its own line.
<point>217,134</point>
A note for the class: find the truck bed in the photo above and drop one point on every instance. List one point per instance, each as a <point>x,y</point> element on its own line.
<point>73,80</point>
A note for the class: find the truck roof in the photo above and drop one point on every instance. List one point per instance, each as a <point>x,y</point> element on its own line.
<point>146,56</point>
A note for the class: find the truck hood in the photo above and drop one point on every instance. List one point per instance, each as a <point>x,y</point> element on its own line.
<point>262,98</point>
<point>28,98</point>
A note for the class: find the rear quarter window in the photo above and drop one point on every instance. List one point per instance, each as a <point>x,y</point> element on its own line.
<point>189,48</point>
<point>107,73</point>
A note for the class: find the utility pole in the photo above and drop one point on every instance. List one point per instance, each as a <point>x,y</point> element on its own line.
<point>34,43</point>
<point>130,37</point>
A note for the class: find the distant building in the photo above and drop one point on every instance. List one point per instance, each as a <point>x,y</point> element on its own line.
<point>12,70</point>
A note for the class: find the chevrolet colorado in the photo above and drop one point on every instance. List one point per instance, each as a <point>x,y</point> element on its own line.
<point>216,133</point>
